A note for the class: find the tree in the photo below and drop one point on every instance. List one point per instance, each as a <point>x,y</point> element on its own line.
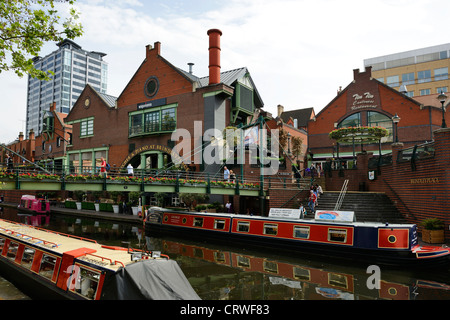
<point>24,27</point>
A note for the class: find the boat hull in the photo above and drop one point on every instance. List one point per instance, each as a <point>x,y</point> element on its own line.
<point>159,226</point>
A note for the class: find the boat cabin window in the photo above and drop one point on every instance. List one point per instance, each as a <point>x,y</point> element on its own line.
<point>301,232</point>
<point>243,226</point>
<point>2,243</point>
<point>87,283</point>
<point>270,229</point>
<point>12,250</point>
<point>270,266</point>
<point>219,224</point>
<point>337,235</point>
<point>27,258</point>
<point>198,222</point>
<point>48,264</point>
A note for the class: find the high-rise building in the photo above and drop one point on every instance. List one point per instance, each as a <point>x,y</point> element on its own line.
<point>416,72</point>
<point>73,68</point>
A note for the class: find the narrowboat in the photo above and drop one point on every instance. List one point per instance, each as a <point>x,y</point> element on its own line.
<point>49,265</point>
<point>330,233</point>
<point>32,204</point>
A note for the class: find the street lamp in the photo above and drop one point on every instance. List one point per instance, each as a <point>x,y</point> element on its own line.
<point>442,97</point>
<point>396,120</point>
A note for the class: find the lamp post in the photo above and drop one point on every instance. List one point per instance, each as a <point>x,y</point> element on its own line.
<point>442,97</point>
<point>396,120</point>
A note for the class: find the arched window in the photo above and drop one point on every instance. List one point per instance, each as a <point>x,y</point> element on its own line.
<point>371,119</point>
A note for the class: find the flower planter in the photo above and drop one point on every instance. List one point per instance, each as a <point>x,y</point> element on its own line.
<point>115,208</point>
<point>433,236</point>
<point>97,206</point>
<point>135,210</point>
<point>78,205</point>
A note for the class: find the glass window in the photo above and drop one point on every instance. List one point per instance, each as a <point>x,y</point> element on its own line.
<point>152,121</point>
<point>87,128</point>
<point>12,250</point>
<point>198,222</point>
<point>28,256</point>
<point>424,76</point>
<point>376,119</point>
<point>243,226</point>
<point>219,224</point>
<point>441,89</point>
<point>425,92</point>
<point>441,74</point>
<point>168,122</point>
<point>408,78</point>
<point>337,235</point>
<point>88,283</point>
<point>48,264</point>
<point>2,243</point>
<point>270,229</point>
<point>301,232</point>
<point>353,120</point>
<point>392,81</point>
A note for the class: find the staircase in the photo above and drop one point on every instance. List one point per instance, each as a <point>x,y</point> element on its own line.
<point>368,206</point>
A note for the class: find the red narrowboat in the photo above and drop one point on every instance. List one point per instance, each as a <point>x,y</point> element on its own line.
<point>49,265</point>
<point>377,243</point>
<point>34,205</point>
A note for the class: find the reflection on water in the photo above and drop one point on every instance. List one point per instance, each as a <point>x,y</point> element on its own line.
<point>229,273</point>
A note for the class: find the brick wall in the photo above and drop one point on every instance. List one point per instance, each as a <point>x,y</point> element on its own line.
<point>418,194</point>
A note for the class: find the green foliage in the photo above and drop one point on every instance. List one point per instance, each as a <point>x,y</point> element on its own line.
<point>432,224</point>
<point>25,25</point>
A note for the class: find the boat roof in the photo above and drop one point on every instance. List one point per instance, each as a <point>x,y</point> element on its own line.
<point>58,243</point>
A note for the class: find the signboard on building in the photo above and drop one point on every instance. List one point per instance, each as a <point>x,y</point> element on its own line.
<point>284,213</point>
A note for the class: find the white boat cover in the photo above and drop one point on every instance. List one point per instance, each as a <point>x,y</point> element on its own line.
<point>157,279</point>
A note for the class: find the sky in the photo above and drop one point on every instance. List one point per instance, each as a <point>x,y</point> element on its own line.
<point>298,52</point>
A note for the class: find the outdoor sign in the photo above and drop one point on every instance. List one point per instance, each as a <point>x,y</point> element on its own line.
<point>284,213</point>
<point>335,215</point>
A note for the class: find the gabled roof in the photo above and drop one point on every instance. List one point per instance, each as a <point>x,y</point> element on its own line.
<point>302,116</point>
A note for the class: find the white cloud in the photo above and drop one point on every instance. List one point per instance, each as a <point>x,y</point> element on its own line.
<point>298,52</point>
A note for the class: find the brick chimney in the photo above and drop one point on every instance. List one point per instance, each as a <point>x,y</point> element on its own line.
<point>214,55</point>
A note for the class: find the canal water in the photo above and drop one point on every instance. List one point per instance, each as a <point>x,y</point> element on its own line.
<point>231,273</point>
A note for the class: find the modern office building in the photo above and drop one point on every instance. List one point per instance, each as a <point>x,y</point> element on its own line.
<point>417,72</point>
<point>73,68</point>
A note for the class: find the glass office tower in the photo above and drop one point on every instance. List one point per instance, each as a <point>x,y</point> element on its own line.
<point>73,68</point>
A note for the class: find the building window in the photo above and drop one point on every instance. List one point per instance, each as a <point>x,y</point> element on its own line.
<point>154,120</point>
<point>392,81</point>
<point>442,89</point>
<point>424,76</point>
<point>408,78</point>
<point>87,128</point>
<point>376,119</point>
<point>353,120</point>
<point>425,92</point>
<point>441,74</point>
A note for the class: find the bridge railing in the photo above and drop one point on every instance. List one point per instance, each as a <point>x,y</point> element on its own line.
<point>175,177</point>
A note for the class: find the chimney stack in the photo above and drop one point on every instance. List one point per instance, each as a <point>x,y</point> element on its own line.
<point>214,55</point>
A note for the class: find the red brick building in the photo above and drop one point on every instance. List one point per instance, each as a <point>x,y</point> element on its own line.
<point>368,102</point>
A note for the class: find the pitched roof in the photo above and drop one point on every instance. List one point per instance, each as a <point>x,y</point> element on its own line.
<point>302,116</point>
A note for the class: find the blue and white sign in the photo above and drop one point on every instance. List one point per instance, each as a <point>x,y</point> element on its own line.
<point>335,215</point>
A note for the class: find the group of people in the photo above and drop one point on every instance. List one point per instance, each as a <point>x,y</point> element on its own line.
<point>228,175</point>
<point>314,195</point>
